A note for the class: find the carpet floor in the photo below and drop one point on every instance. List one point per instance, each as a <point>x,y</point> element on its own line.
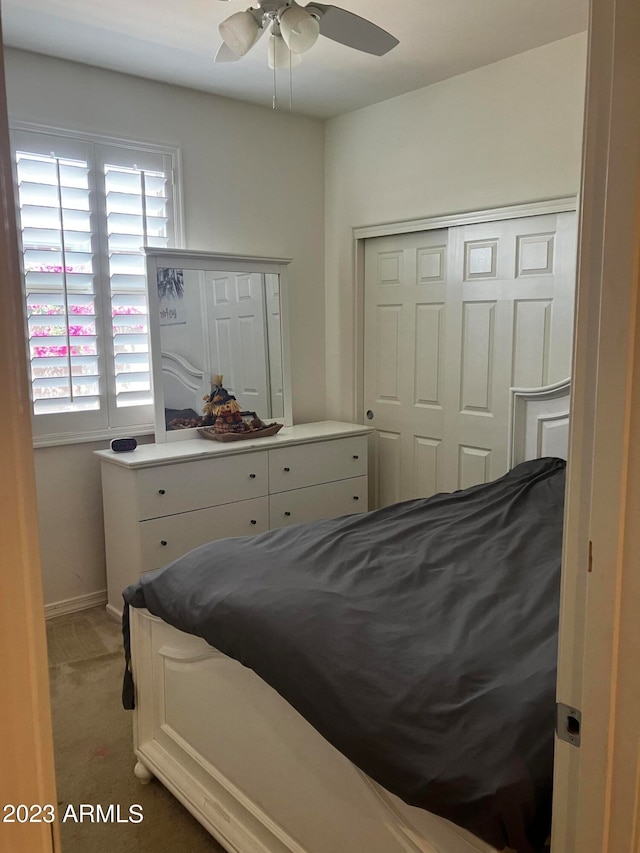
<point>94,747</point>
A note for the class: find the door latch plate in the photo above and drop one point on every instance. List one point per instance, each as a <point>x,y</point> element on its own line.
<point>568,723</point>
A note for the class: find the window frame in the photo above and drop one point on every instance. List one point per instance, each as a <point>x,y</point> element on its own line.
<point>132,425</point>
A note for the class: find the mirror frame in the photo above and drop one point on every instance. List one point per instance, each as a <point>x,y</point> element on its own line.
<point>211,262</point>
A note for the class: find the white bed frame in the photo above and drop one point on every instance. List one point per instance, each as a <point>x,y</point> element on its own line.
<point>251,770</point>
<point>184,385</point>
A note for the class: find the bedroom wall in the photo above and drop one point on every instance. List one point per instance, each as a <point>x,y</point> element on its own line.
<point>504,134</point>
<point>252,182</point>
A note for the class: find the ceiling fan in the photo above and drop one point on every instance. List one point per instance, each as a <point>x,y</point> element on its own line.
<point>295,29</point>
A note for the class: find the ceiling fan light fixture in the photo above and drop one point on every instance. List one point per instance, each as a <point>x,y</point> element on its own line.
<point>299,29</point>
<point>279,55</point>
<point>239,32</point>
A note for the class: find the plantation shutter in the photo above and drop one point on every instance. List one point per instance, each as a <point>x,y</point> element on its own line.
<point>62,301</point>
<point>85,211</point>
<point>135,190</point>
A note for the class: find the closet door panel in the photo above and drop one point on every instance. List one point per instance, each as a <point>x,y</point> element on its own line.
<point>405,323</point>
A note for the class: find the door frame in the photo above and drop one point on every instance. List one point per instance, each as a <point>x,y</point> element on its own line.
<point>28,775</point>
<point>597,786</point>
<point>360,233</point>
<point>611,148</point>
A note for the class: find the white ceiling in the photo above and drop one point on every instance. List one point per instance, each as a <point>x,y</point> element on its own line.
<point>175,41</point>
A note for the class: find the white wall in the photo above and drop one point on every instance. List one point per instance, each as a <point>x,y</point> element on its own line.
<point>252,182</point>
<point>507,133</point>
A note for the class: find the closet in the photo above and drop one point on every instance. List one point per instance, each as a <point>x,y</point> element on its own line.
<point>455,317</point>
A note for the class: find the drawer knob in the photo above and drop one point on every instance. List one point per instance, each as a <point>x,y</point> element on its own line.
<point>356,498</point>
<point>286,469</point>
<point>161,491</point>
<point>163,542</point>
<point>253,521</point>
<point>252,476</point>
<point>287,513</point>
<point>356,457</point>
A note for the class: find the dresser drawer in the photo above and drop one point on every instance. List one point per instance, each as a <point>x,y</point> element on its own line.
<point>315,502</point>
<point>165,539</point>
<point>194,485</point>
<point>322,462</point>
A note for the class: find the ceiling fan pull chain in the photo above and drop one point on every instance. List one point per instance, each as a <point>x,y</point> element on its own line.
<point>290,83</point>
<point>275,89</point>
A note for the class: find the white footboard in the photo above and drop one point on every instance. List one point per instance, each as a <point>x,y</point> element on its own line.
<point>251,769</point>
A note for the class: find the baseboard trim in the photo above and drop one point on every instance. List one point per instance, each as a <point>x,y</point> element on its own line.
<point>115,614</point>
<point>71,605</point>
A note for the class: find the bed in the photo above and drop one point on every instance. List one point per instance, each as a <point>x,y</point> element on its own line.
<point>261,777</point>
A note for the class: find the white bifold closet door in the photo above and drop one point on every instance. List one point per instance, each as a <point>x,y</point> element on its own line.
<point>453,319</point>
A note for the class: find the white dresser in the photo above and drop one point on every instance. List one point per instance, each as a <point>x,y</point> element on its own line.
<point>161,500</point>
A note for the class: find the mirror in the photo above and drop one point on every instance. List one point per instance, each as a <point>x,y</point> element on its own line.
<point>215,314</point>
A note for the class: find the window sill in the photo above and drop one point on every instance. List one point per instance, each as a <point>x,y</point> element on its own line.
<point>60,439</point>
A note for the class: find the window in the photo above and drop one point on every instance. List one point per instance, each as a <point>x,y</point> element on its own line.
<point>86,207</point>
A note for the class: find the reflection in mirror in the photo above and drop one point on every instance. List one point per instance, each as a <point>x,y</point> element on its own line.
<point>213,314</point>
<point>218,322</point>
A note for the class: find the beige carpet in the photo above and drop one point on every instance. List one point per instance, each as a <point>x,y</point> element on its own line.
<point>93,747</point>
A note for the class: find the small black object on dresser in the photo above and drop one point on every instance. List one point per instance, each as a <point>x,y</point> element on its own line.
<point>122,445</point>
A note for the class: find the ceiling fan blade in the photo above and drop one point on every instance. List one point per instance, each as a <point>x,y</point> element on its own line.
<point>352,30</point>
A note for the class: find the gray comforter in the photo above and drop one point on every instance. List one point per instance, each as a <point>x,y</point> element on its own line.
<point>419,639</point>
